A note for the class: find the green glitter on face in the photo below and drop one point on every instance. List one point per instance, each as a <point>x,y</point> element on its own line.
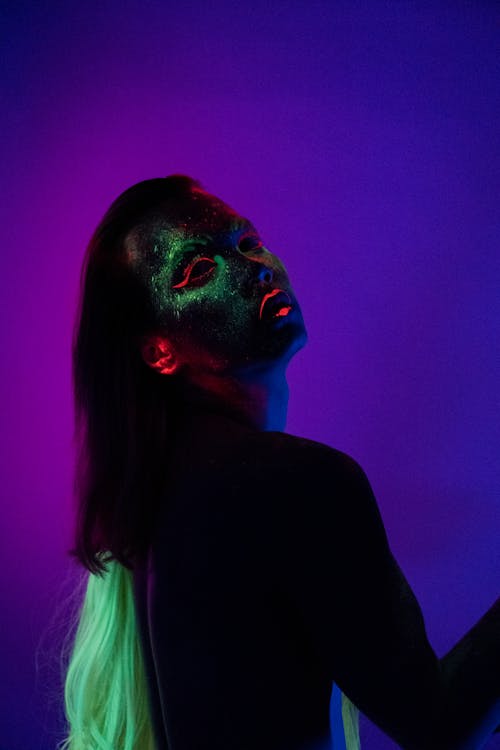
<point>207,272</point>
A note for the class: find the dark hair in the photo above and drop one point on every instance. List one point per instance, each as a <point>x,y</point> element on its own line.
<point>125,412</point>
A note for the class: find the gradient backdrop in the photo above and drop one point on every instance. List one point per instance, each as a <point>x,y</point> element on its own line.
<point>362,139</point>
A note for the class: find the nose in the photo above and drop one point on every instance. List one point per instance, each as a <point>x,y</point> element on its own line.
<point>257,274</point>
<point>264,274</point>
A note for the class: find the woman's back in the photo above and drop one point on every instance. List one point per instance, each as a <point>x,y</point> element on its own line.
<point>236,667</point>
<point>269,578</point>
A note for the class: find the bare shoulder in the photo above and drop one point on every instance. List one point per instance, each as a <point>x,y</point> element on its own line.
<point>320,487</point>
<point>300,456</point>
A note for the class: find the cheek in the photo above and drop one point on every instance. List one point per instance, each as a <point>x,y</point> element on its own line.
<point>210,316</point>
<point>278,267</point>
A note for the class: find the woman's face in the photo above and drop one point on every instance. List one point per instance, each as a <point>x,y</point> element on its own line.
<point>223,299</point>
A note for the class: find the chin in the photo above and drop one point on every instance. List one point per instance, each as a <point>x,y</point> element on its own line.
<point>285,343</point>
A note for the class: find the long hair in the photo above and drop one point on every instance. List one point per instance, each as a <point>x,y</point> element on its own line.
<point>124,410</point>
<point>106,697</point>
<point>125,417</point>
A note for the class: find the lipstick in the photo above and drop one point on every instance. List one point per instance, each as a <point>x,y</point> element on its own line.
<point>275,304</point>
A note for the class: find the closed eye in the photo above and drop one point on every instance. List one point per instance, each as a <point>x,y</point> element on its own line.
<point>197,273</point>
<point>249,244</point>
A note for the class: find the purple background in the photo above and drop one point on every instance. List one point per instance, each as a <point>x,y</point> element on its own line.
<point>361,138</point>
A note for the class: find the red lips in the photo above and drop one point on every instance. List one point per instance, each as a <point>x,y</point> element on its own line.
<point>281,305</point>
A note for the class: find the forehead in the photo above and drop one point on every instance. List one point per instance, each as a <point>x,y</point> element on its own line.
<point>195,215</point>
<point>199,213</point>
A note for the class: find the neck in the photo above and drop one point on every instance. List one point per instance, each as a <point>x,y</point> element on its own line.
<point>259,399</point>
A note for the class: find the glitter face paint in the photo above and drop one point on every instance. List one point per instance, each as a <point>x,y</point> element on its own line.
<point>222,298</point>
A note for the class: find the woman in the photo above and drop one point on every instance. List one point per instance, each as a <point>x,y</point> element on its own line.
<point>235,572</point>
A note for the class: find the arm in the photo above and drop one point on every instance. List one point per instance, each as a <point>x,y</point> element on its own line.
<point>471,672</point>
<point>368,626</point>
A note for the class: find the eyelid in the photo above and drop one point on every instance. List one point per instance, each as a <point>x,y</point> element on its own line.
<point>252,236</point>
<point>189,267</point>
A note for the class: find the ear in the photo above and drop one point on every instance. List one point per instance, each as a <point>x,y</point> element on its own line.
<point>158,353</point>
